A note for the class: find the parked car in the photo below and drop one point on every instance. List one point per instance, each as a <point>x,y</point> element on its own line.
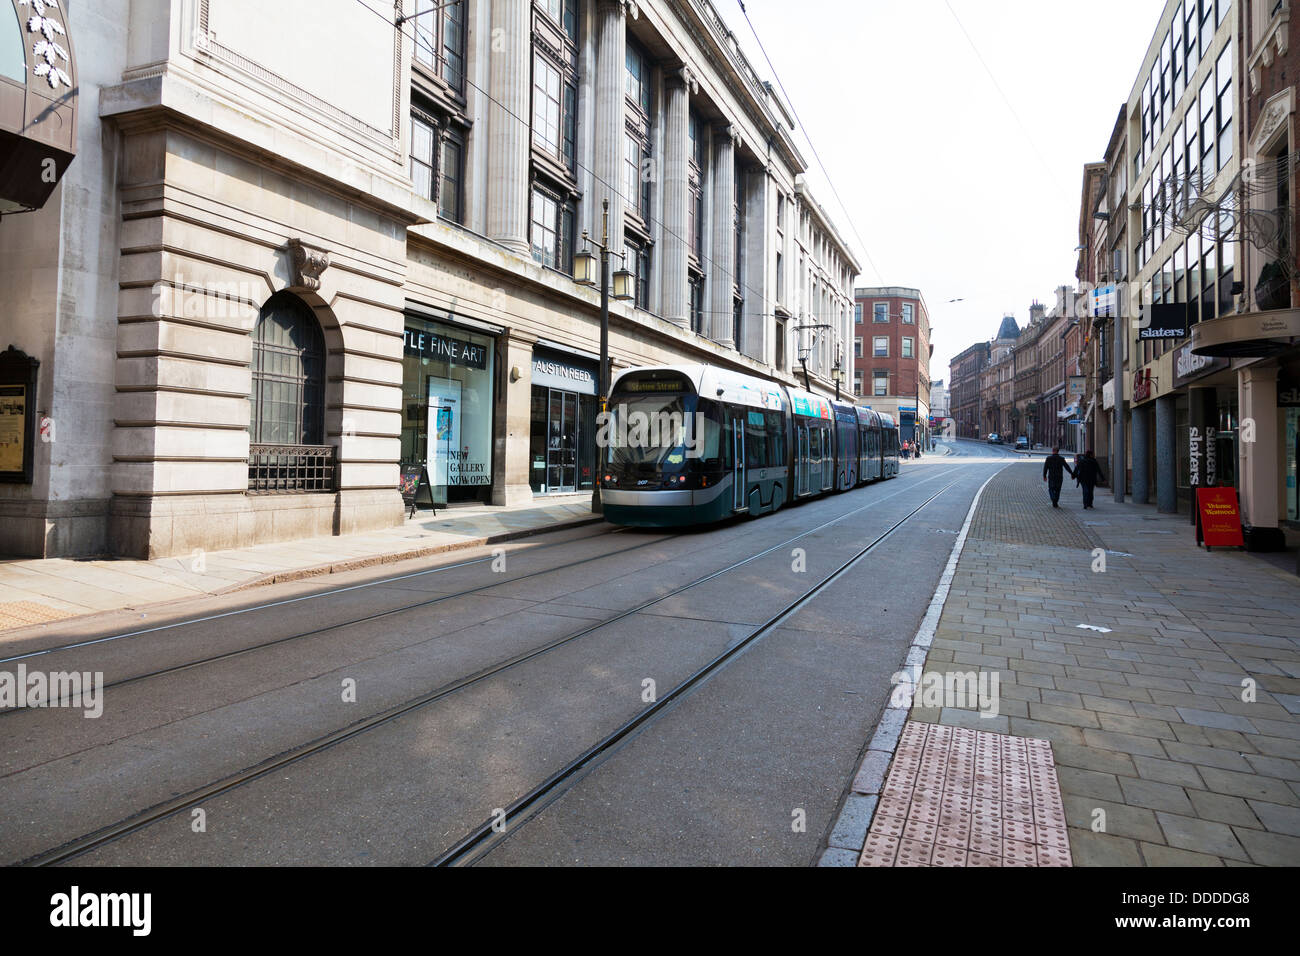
<point>1022,443</point>
<point>995,439</point>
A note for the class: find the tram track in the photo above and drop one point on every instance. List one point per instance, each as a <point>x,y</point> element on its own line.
<point>534,799</point>
<point>490,834</point>
<point>365,619</point>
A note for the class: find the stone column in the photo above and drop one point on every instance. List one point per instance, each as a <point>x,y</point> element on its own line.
<point>1141,451</point>
<point>723,248</point>
<point>510,85</point>
<point>1260,472</point>
<point>1166,449</point>
<point>611,85</point>
<point>676,192</point>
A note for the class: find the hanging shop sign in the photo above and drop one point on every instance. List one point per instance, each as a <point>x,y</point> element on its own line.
<point>17,415</point>
<point>1141,385</point>
<point>445,348</point>
<point>1218,518</point>
<point>1163,320</point>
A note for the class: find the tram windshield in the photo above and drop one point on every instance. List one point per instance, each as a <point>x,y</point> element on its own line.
<point>661,434</point>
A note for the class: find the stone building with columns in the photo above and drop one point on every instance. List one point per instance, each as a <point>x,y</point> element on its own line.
<point>306,256</point>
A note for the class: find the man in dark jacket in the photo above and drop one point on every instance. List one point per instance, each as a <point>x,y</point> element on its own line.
<point>1053,469</point>
<point>1089,475</point>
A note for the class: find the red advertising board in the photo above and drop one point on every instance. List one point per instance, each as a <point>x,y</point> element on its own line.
<point>1218,519</point>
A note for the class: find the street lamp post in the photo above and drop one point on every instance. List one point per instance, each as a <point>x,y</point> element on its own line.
<point>584,269</point>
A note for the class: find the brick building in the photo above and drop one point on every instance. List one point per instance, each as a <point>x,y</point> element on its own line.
<point>891,350</point>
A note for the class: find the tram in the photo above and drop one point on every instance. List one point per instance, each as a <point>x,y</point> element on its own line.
<point>694,444</point>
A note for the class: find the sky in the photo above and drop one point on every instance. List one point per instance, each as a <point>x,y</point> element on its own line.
<point>962,178</point>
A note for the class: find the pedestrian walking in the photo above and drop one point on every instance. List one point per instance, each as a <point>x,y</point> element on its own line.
<point>1088,474</point>
<point>1053,473</point>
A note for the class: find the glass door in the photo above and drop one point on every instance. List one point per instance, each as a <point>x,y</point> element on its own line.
<point>562,441</point>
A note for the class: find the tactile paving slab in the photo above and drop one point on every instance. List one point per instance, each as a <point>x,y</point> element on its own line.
<point>24,613</point>
<point>958,797</point>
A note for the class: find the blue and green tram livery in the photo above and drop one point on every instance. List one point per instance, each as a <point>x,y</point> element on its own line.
<point>691,445</point>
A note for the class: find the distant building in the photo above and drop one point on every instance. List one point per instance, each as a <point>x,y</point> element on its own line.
<point>891,349</point>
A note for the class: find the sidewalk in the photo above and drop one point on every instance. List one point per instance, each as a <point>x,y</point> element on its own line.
<point>43,591</point>
<point>1167,681</point>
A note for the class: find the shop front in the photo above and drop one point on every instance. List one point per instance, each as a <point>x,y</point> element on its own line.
<point>562,443</point>
<point>448,397</point>
<point>1288,401</point>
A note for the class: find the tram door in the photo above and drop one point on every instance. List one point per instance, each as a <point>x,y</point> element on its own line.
<point>815,458</point>
<point>802,462</point>
<point>738,482</point>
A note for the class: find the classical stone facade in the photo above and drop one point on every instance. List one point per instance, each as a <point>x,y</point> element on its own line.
<point>308,254</point>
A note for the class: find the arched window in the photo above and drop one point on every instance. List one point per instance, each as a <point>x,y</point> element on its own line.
<point>288,375</point>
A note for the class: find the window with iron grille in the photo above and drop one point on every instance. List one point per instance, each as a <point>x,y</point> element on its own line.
<point>287,422</point>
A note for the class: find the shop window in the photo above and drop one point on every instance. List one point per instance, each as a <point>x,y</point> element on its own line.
<point>448,398</point>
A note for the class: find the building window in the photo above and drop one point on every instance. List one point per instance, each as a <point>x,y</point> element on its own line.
<point>697,304</point>
<point>636,176</point>
<point>1224,71</point>
<point>638,78</point>
<point>439,181</point>
<point>880,346</point>
<point>563,13</point>
<point>857,347</point>
<point>555,112</point>
<point>857,313</point>
<point>780,278</point>
<point>451,178</point>
<point>909,347</point>
<point>857,382</point>
<point>288,406</point>
<point>440,40</point>
<point>552,231</point>
<point>880,312</point>
<point>779,340</point>
<point>909,316</point>
<point>696,188</point>
<point>879,382</point>
<point>638,261</point>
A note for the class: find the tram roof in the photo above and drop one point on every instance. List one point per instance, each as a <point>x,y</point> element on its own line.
<point>722,385</point>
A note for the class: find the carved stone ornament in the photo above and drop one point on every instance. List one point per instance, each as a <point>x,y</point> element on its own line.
<point>1276,112</point>
<point>308,264</point>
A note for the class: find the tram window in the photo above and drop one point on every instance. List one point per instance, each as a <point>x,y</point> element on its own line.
<point>775,439</point>
<point>711,441</point>
<point>756,447</point>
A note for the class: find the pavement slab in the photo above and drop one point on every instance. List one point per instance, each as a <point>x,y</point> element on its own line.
<point>1175,728</point>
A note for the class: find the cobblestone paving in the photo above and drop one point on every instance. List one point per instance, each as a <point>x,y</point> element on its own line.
<point>1176,730</point>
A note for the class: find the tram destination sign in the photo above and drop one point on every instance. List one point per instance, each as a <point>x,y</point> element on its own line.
<point>445,348</point>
